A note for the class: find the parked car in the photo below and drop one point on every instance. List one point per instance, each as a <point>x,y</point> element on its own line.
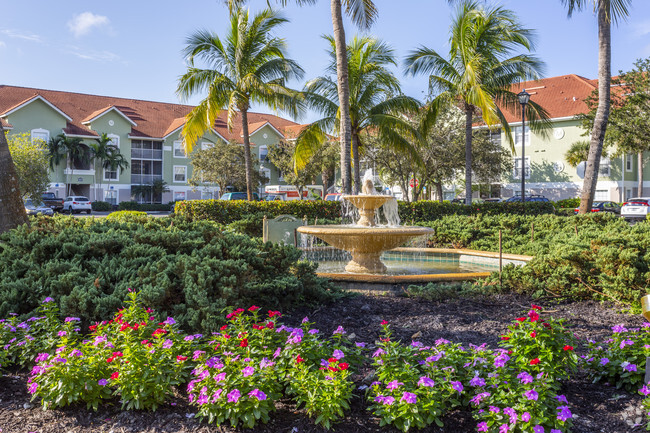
<point>33,209</point>
<point>52,201</point>
<point>533,197</point>
<point>603,206</point>
<point>77,204</point>
<point>635,208</point>
<point>238,196</point>
<point>333,196</point>
<point>274,197</point>
<point>493,200</point>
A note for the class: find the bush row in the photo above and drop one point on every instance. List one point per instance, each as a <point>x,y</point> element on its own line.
<point>227,212</point>
<point>189,269</point>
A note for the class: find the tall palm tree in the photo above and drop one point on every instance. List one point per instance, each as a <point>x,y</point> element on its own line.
<point>376,102</point>
<point>12,209</point>
<point>99,152</point>
<point>606,10</point>
<point>74,151</point>
<point>363,14</point>
<point>114,160</point>
<point>249,65</point>
<point>479,71</point>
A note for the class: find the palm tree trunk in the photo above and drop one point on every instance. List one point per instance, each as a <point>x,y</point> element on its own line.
<point>12,210</point>
<point>247,155</point>
<point>602,113</point>
<point>439,191</point>
<point>356,162</point>
<point>325,175</point>
<point>468,154</point>
<point>640,176</point>
<point>344,93</point>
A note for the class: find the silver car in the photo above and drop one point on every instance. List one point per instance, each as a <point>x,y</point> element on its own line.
<point>33,209</point>
<point>77,204</point>
<point>635,208</point>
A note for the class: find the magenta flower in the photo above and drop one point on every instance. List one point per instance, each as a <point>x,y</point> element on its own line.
<point>233,396</point>
<point>42,357</point>
<point>564,413</point>
<point>339,330</point>
<point>457,386</point>
<point>62,333</point>
<point>562,399</point>
<point>531,395</point>
<point>247,371</point>
<point>538,429</point>
<point>644,390</point>
<point>48,299</point>
<point>167,344</point>
<point>494,409</point>
<point>72,319</point>
<point>478,397</point>
<point>259,395</point>
<point>425,381</point>
<point>394,385</point>
<point>503,428</point>
<point>385,400</point>
<point>525,417</point>
<point>477,381</point>
<point>32,387</point>
<point>219,377</point>
<point>203,399</point>
<point>482,427</point>
<point>216,395</point>
<point>197,354</point>
<point>409,397</point>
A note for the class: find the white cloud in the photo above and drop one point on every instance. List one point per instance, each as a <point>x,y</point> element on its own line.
<point>82,23</point>
<point>14,34</point>
<point>97,56</point>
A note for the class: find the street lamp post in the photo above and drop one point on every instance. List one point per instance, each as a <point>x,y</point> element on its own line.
<point>524,97</point>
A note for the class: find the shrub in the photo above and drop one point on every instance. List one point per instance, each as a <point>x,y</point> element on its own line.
<point>128,205</point>
<point>127,215</point>
<point>191,270</point>
<point>569,203</point>
<point>101,206</point>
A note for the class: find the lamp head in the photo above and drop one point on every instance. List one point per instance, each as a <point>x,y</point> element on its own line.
<point>524,97</point>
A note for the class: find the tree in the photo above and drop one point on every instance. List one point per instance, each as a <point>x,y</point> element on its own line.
<point>152,190</point>
<point>72,149</point>
<point>31,160</point>
<point>99,152</point>
<point>114,161</point>
<point>12,209</point>
<point>363,14</point>
<point>281,155</point>
<point>249,65</point>
<point>479,71</point>
<point>376,103</point>
<point>606,10</point>
<point>223,165</point>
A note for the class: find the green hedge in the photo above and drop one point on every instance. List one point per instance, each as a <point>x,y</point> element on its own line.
<point>191,270</point>
<point>568,203</point>
<point>227,212</point>
<point>132,205</point>
<point>101,206</point>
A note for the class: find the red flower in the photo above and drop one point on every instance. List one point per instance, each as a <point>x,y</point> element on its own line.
<point>534,317</point>
<point>534,361</point>
<point>110,359</point>
<point>120,354</point>
<point>332,360</point>
<point>535,307</point>
<point>567,347</point>
<point>223,328</point>
<point>332,368</point>
<point>124,327</point>
<point>299,359</point>
<point>270,325</point>
<point>274,313</point>
<point>115,375</point>
<point>244,343</point>
<point>258,327</point>
<point>533,334</point>
<point>383,322</point>
<point>504,338</point>
<point>253,308</point>
<point>159,331</point>
<point>93,327</point>
<point>144,341</point>
<point>521,319</point>
<point>384,340</point>
<point>180,358</point>
<point>547,325</point>
<point>344,366</point>
<point>226,336</point>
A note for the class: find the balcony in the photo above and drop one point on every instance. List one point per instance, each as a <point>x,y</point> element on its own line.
<point>144,179</point>
<point>147,154</point>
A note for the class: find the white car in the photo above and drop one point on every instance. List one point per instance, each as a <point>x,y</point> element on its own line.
<point>635,208</point>
<point>77,204</point>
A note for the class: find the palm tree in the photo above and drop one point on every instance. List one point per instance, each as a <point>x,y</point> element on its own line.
<point>363,14</point>
<point>114,160</point>
<point>99,152</point>
<point>479,71</point>
<point>606,10</point>
<point>72,148</point>
<point>376,103</point>
<point>249,65</point>
<point>12,210</point>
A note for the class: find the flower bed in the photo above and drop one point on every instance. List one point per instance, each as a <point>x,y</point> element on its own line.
<point>238,374</point>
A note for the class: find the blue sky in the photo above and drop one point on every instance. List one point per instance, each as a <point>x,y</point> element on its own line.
<point>133,48</point>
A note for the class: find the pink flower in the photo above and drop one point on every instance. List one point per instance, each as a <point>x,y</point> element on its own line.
<point>409,397</point>
<point>233,396</point>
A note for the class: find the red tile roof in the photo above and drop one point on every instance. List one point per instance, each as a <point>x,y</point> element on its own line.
<point>153,119</point>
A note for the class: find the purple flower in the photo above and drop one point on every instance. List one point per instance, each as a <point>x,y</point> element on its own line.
<point>626,343</point>
<point>360,344</point>
<point>425,381</point>
<point>32,387</point>
<point>233,396</point>
<point>42,357</point>
<point>203,399</point>
<point>72,319</point>
<point>219,377</point>
<point>604,361</point>
<point>76,352</point>
<point>214,362</point>
<point>619,328</point>
<point>409,397</point>
<point>644,390</point>
<point>494,409</point>
<point>629,367</point>
<point>503,428</point>
<point>388,400</point>
<point>500,361</point>
<point>48,299</point>
<point>564,413</point>
<point>62,333</point>
<point>170,321</point>
<point>197,354</point>
<point>531,395</point>
<point>305,319</point>
<point>188,338</point>
<point>457,386</point>
<point>442,341</point>
<point>338,354</point>
<point>266,362</point>
<point>525,377</point>
<point>339,330</point>
<point>167,344</point>
<point>378,352</point>
<point>393,385</point>
<point>102,382</point>
<point>478,397</point>
<point>216,395</point>
<point>538,429</point>
<point>313,331</point>
<point>258,394</point>
<point>435,357</point>
<point>562,399</point>
<point>482,427</point>
<point>247,371</point>
<point>525,417</point>
<point>477,381</point>
<point>277,353</point>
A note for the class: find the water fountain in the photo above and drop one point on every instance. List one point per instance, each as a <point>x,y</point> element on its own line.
<point>365,241</point>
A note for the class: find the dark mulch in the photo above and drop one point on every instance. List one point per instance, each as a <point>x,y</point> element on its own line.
<point>596,407</point>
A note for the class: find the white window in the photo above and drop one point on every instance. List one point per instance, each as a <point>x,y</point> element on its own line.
<point>516,172</point>
<point>179,195</point>
<point>601,195</point>
<point>180,173</point>
<point>115,140</point>
<point>517,133</point>
<point>628,163</point>
<point>110,175</point>
<point>605,169</point>
<point>206,145</point>
<point>264,151</point>
<point>40,134</point>
<point>110,196</point>
<point>179,150</point>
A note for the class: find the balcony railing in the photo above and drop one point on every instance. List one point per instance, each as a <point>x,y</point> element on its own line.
<point>146,154</point>
<point>144,179</point>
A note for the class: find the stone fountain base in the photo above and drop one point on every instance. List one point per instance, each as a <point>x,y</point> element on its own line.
<point>366,264</point>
